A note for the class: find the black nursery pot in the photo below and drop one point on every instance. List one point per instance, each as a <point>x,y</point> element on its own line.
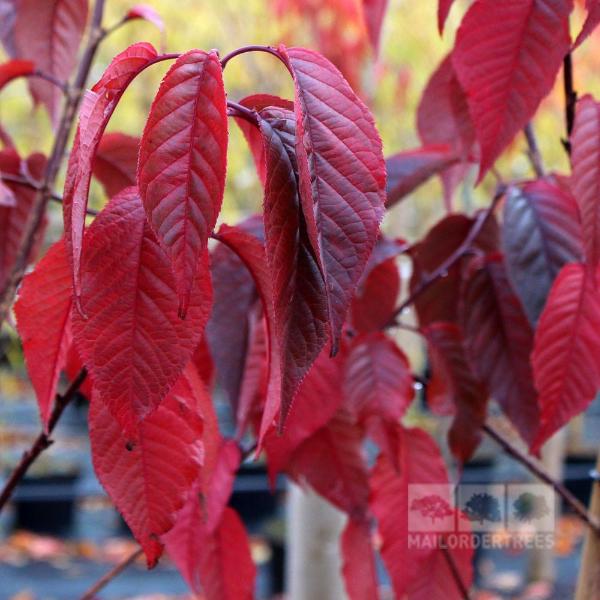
<point>46,503</point>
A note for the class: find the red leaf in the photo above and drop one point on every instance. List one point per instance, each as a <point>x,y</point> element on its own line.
<point>342,176</point>
<point>409,169</point>
<point>15,68</point>
<point>115,163</point>
<point>585,158</point>
<point>132,340</point>
<point>377,378</point>
<point>499,341</point>
<point>96,110</point>
<point>444,7</point>
<point>147,13</point>
<point>454,386</point>
<point>540,234</point>
<point>420,463</point>
<point>220,564</point>
<point>43,313</point>
<point>358,567</point>
<point>73,366</point>
<point>7,198</point>
<point>49,33</point>
<point>439,302</point>
<point>298,290</point>
<point>332,463</point>
<point>182,163</point>
<point>374,13</point>
<point>8,15</point>
<point>504,89</point>
<point>319,398</point>
<point>591,22</point>
<point>139,475</point>
<point>566,354</point>
<point>13,219</point>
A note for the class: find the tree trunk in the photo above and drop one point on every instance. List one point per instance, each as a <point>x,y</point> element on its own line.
<point>313,555</point>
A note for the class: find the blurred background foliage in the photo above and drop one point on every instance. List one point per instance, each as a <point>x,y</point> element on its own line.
<point>411,48</point>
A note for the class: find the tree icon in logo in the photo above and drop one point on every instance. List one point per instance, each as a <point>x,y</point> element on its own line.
<point>482,507</point>
<point>529,507</point>
<point>432,506</point>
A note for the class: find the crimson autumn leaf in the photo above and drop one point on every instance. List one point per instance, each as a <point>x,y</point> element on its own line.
<point>331,462</point>
<point>540,234</point>
<point>218,564</point>
<point>444,7</point>
<point>43,313</point>
<point>504,89</point>
<point>420,463</point>
<point>115,163</point>
<point>96,110</point>
<point>342,176</point>
<point>149,477</point>
<point>7,198</point>
<point>49,33</point>
<point>585,160</point>
<point>15,68</point>
<point>358,568</point>
<point>455,389</point>
<point>373,14</point>
<point>409,169</point>
<point>8,14</point>
<point>567,349</point>
<point>499,341</point>
<point>182,163</point>
<point>132,340</point>
<point>147,13</point>
<point>13,219</point>
<point>439,301</point>
<point>591,22</point>
<point>378,380</point>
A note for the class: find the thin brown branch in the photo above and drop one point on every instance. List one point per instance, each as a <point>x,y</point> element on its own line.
<point>533,151</point>
<point>464,249</point>
<point>570,100</point>
<point>90,594</point>
<point>460,584</point>
<point>38,209</point>
<point>538,470</point>
<point>42,441</point>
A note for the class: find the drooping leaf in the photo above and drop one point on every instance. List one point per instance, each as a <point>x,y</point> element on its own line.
<point>540,234</point>
<point>409,169</point>
<point>49,33</point>
<point>455,389</point>
<point>13,219</point>
<point>377,378</point>
<point>131,338</point>
<point>331,462</point>
<point>566,355</point>
<point>115,163</point>
<point>15,68</point>
<point>96,110</point>
<point>591,22</point>
<point>8,15</point>
<point>342,176</point>
<point>298,289</point>
<point>420,463</point>
<point>499,341</point>
<point>439,301</point>
<point>219,564</point>
<point>43,313</point>
<point>444,7</point>
<point>147,13</point>
<point>585,159</point>
<point>374,14</point>
<point>149,478</point>
<point>182,163</point>
<point>358,566</point>
<point>504,88</point>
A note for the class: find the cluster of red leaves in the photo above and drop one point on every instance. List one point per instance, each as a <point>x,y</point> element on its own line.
<point>289,313</point>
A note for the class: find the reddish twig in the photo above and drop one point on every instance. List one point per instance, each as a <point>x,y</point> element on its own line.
<point>570,100</point>
<point>42,441</point>
<point>90,594</point>
<point>533,151</point>
<point>460,584</point>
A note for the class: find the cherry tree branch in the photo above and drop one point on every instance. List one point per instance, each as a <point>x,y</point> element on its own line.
<point>91,593</point>
<point>570,100</point>
<point>533,151</point>
<point>43,440</point>
<point>538,470</point>
<point>96,35</point>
